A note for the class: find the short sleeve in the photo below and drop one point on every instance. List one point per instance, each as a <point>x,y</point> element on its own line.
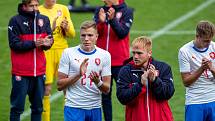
<point>106,69</point>
<point>183,59</point>
<point>64,63</point>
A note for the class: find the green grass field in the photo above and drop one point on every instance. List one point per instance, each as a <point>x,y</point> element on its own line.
<point>171,23</point>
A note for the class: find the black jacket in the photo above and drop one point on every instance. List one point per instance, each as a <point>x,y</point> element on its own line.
<point>129,83</point>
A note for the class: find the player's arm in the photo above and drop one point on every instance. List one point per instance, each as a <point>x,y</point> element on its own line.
<point>189,78</point>
<point>64,81</point>
<point>105,86</point>
<point>122,27</point>
<point>69,29</point>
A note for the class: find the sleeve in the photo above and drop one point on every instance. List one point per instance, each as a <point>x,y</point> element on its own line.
<point>183,60</point>
<point>71,32</point>
<point>163,87</point>
<point>49,32</point>
<point>123,26</point>
<point>126,90</point>
<point>106,70</point>
<point>14,41</point>
<point>64,63</point>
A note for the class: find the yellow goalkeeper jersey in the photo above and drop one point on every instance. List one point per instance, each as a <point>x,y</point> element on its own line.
<point>60,12</point>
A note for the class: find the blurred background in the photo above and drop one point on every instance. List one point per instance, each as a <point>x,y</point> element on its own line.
<point>170,23</point>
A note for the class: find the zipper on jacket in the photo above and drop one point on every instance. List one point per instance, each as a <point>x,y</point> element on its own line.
<point>35,39</point>
<point>108,37</point>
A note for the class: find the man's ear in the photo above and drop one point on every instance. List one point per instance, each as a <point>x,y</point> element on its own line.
<point>150,53</point>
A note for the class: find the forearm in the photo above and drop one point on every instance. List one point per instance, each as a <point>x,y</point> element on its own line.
<point>104,88</point>
<point>65,82</point>
<point>127,94</point>
<point>190,78</point>
<point>71,31</point>
<point>163,89</point>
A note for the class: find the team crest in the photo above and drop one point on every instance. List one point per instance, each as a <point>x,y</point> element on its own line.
<point>59,12</point>
<point>212,55</point>
<point>97,61</point>
<point>18,78</point>
<point>157,73</point>
<point>40,22</point>
<point>118,15</point>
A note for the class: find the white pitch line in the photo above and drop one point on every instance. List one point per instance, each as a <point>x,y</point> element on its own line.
<point>181,19</point>
<point>154,35</point>
<point>179,32</point>
<point>54,97</point>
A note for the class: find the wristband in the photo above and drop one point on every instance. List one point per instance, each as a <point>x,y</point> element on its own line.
<point>100,83</point>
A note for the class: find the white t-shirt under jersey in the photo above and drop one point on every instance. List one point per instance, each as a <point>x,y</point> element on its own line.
<point>84,93</point>
<point>190,59</point>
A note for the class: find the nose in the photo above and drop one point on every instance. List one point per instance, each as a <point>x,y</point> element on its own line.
<point>135,55</point>
<point>35,7</point>
<point>86,38</point>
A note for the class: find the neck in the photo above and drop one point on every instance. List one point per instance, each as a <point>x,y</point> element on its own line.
<point>116,3</point>
<point>88,50</point>
<point>196,45</point>
<point>48,6</point>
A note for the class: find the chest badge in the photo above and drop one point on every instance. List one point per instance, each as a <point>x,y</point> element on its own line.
<point>97,61</point>
<point>59,13</point>
<point>118,15</point>
<point>40,22</point>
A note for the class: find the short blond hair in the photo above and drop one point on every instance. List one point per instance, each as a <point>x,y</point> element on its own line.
<point>146,42</point>
<point>205,29</point>
<point>88,24</point>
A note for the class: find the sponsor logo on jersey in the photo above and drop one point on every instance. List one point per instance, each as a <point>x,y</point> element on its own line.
<point>78,60</point>
<point>135,75</point>
<point>40,22</point>
<point>97,61</point>
<point>25,23</point>
<point>10,27</point>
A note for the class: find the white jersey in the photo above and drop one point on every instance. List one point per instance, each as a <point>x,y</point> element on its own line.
<point>190,59</point>
<point>84,93</point>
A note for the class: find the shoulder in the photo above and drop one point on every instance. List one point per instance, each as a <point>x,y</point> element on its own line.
<point>43,17</point>
<point>13,18</point>
<point>60,6</point>
<point>70,49</point>
<point>160,64</point>
<point>41,7</point>
<point>127,9</point>
<point>186,47</point>
<point>125,69</point>
<point>100,50</point>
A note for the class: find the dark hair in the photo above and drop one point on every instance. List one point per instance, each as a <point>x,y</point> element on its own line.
<point>28,1</point>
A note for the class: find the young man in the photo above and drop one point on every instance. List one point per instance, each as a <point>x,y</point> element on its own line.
<point>29,35</point>
<point>145,85</point>
<point>114,21</point>
<point>84,72</point>
<point>197,67</point>
<point>62,28</point>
